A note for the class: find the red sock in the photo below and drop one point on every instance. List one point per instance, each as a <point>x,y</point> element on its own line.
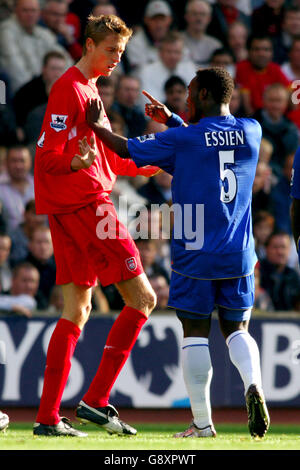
<point>60,351</point>
<point>119,343</point>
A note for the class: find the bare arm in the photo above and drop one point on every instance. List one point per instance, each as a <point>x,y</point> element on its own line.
<point>114,142</point>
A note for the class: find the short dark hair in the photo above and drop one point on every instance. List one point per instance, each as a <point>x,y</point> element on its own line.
<point>218,82</point>
<point>172,81</point>
<point>291,9</point>
<point>258,37</point>
<point>263,216</point>
<point>30,205</point>
<point>53,55</point>
<point>276,233</point>
<point>221,51</point>
<point>23,265</point>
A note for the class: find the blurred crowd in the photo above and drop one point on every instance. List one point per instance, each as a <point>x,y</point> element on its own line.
<point>257,41</point>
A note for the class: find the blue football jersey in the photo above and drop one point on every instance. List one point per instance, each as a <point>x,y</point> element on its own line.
<point>213,164</point>
<point>295,181</point>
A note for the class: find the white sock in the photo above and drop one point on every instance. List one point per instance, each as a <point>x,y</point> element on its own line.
<point>244,354</point>
<point>197,373</point>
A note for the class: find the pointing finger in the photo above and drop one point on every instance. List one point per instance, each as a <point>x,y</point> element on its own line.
<point>150,97</point>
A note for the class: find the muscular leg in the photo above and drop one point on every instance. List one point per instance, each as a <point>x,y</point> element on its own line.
<point>244,354</point>
<point>140,300</point>
<point>77,303</point>
<point>197,369</point>
<point>77,306</point>
<point>243,350</point>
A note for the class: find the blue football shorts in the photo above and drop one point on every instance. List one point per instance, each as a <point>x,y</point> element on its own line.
<point>197,298</point>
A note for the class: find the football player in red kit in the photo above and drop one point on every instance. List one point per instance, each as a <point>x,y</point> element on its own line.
<point>73,188</point>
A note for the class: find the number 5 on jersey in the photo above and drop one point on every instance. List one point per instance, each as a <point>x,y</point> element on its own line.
<point>227,176</point>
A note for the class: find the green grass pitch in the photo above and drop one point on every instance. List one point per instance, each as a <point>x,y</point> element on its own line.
<point>154,437</point>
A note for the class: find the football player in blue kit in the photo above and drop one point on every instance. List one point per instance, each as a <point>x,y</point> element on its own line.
<point>295,193</point>
<point>213,162</point>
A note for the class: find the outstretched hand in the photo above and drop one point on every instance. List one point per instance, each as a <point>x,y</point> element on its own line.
<point>156,110</point>
<point>94,113</point>
<point>87,154</point>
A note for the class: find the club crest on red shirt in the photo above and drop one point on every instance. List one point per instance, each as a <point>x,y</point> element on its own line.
<point>131,264</point>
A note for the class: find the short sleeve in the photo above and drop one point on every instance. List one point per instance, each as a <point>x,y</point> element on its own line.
<point>155,149</point>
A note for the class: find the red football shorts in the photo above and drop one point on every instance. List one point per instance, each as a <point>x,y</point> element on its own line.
<point>91,244</point>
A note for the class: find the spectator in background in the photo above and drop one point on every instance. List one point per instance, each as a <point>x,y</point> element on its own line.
<point>157,224</point>
<point>21,235</point>
<point>236,103</point>
<point>161,289</point>
<point>35,117</point>
<point>56,301</point>
<point>158,189</point>
<point>19,188</point>
<point>143,48</point>
<point>276,127</point>
<point>21,298</point>
<point>224,13</point>
<point>126,104</point>
<point>2,221</point>
<point>54,17</point>
<point>280,281</point>
<point>24,44</point>
<point>5,270</point>
<point>36,91</point>
<point>265,151</point>
<point>262,300</point>
<point>106,90</point>
<point>268,18</point>
<point>6,9</point>
<point>290,30</point>
<point>154,76</point>
<point>261,188</point>
<point>223,58</point>
<point>257,72</point>
<point>3,170</point>
<point>199,44</point>
<point>263,226</point>
<point>176,95</point>
<point>148,252</point>
<point>281,196</point>
<point>82,9</point>
<point>104,9</point>
<point>41,256</point>
<point>118,125</point>
<point>237,40</point>
<point>8,126</point>
<point>291,68</point>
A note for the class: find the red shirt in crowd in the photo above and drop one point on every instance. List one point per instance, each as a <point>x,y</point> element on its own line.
<point>255,81</point>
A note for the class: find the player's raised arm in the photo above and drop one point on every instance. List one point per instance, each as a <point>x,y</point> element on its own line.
<point>94,118</point>
<point>160,113</point>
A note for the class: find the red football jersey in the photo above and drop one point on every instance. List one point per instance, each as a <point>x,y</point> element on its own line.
<point>58,189</point>
<point>255,81</point>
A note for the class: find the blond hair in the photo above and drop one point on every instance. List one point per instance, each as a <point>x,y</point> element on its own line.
<point>98,27</point>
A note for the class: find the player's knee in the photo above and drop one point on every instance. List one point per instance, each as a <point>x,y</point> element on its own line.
<point>80,314</point>
<point>150,300</point>
<point>145,302</point>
